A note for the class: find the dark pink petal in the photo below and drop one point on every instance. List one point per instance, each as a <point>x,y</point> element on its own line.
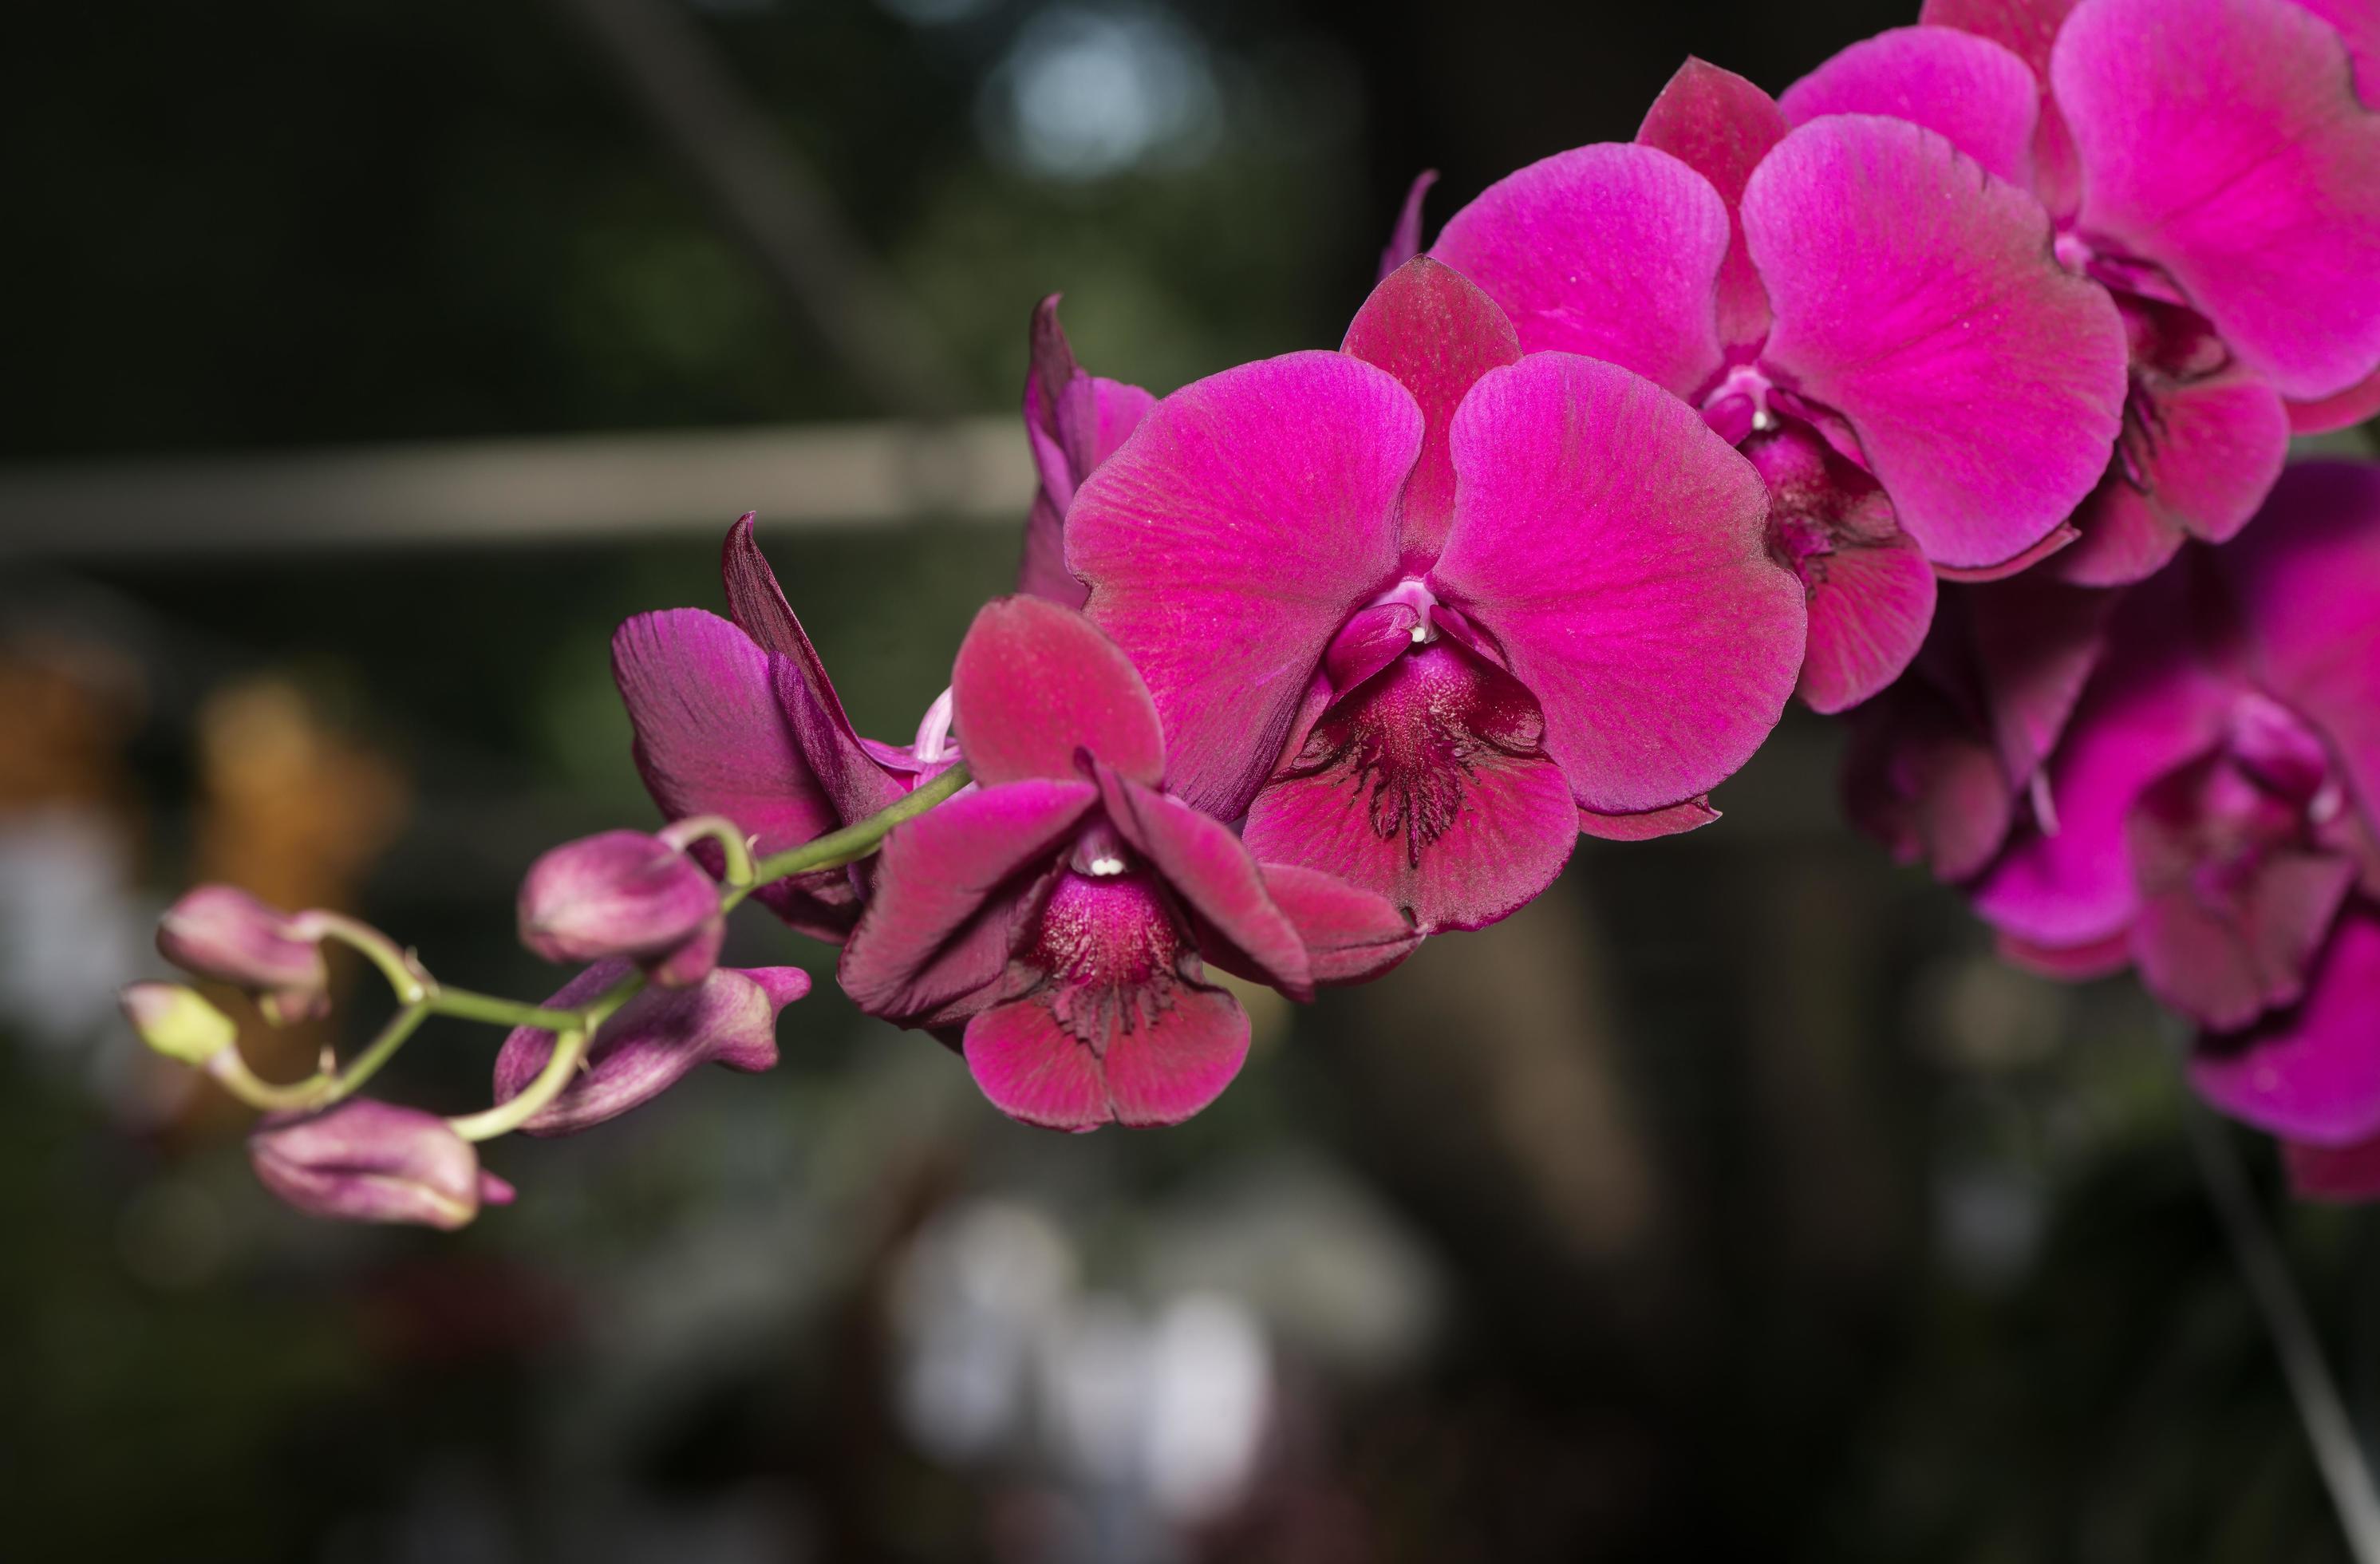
<point>1610,250</point>
<point>1168,1067</point>
<point>2307,575</point>
<point>1722,125</point>
<point>1228,541</point>
<point>2232,907</point>
<point>222,932</point>
<point>1208,869</point>
<point>370,1161</point>
<point>2308,1073</point>
<point>1432,329</point>
<point>2035,642</point>
<point>2071,963</point>
<point>651,1044</point>
<point>1073,421</point>
<point>1351,935</point>
<point>1405,239</point>
<point>1042,572</point>
<point>2358,22</point>
<point>712,738</point>
<point>2026,29</point>
<point>757,605</point>
<point>1870,604</point>
<point>954,888</point>
<point>1921,778</point>
<point>1034,1070</point>
<point>616,893</point>
<point>1430,786</point>
<point>1613,548</point>
<point>1036,682</point>
<point>1167,1070</point>
<point>2257,189</point>
<point>2348,409</point>
<point>1648,825</point>
<point>1920,300</point>
<point>2341,1174</point>
<point>1983,98</point>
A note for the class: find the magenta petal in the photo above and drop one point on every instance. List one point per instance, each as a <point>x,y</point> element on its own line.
<point>2027,28</point>
<point>1208,869</point>
<point>1042,572</point>
<point>2069,963</point>
<point>2342,1174</point>
<point>954,889</point>
<point>1920,779</point>
<point>1034,1070</point>
<point>2307,575</point>
<point>2310,1073</point>
<point>2348,409</point>
<point>2198,458</point>
<point>1035,682</point>
<point>1073,421</point>
<point>2358,22</point>
<point>1167,1070</point>
<point>1648,825</point>
<point>1168,1067</point>
<point>757,605</point>
<point>1722,125</point>
<point>1351,935</point>
<point>1613,548</point>
<point>1870,605</point>
<point>1430,787</point>
<point>2036,643</point>
<point>651,1043</point>
<point>1983,98</point>
<point>1610,250</point>
<point>370,1161</point>
<point>1227,542</point>
<point>2257,189</point>
<point>1432,329</point>
<point>1984,382</point>
<point>1405,239</point>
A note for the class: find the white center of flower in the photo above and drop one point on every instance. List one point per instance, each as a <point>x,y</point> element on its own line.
<point>1106,865</point>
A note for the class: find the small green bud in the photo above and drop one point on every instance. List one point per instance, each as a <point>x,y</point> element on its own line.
<point>177,1022</point>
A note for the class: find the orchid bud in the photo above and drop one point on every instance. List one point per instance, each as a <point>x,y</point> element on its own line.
<point>657,1038</point>
<point>221,931</point>
<point>624,895</point>
<point>177,1022</point>
<point>370,1161</point>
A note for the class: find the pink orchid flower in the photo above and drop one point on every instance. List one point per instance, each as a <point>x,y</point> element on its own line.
<point>1873,318</point>
<point>1073,421</point>
<point>1424,609</point>
<point>1060,907</point>
<point>2215,811</point>
<point>739,719</point>
<point>2210,163</point>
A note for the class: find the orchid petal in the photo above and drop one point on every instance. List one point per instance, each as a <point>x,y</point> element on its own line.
<point>2344,410</point>
<point>1405,239</point>
<point>2310,1073</point>
<point>1923,780</point>
<point>1035,684</point>
<point>1351,935</point>
<point>1228,542</point>
<point>1648,825</point>
<point>1073,421</point>
<point>1870,604</point>
<point>2257,189</point>
<point>1610,250</point>
<point>1612,547</point>
<point>1168,1067</point>
<point>1984,382</point>
<point>1722,125</point>
<point>1983,98</point>
<point>2340,1174</point>
<point>2026,29</point>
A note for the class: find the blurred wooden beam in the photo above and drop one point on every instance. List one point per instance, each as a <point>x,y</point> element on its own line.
<point>572,489</point>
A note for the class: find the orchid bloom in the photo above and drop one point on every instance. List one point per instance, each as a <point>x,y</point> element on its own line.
<point>1059,908</point>
<point>2209,162</point>
<point>2216,802</point>
<point>739,719</point>
<point>1873,318</point>
<point>1424,609</point>
<point>1073,421</point>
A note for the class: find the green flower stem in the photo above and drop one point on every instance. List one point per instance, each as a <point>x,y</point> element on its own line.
<point>465,1005</point>
<point>854,843</point>
<point>569,1049</point>
<point>402,970</point>
<point>229,1070</point>
<point>732,843</point>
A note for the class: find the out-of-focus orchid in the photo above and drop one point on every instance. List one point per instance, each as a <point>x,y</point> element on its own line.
<point>2212,810</point>
<point>371,1162</point>
<point>1074,421</point>
<point>730,1018</point>
<point>2210,163</point>
<point>1060,909</point>
<point>739,719</point>
<point>1876,320</point>
<point>1424,609</point>
<point>222,932</point>
<point>627,894</point>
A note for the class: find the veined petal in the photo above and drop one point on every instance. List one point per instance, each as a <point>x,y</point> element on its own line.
<point>1073,421</point>
<point>2348,409</point>
<point>2035,642</point>
<point>1229,539</point>
<point>1430,786</point>
<point>1213,874</point>
<point>2223,141</point>
<point>1170,1065</point>
<point>955,888</point>
<point>1035,684</point>
<point>1612,546</point>
<point>1917,297</point>
<point>1870,605</point>
<point>1405,239</point>
<point>2027,28</point>
<point>1432,328</point>
<point>1648,825</point>
<point>1722,125</point>
<point>1352,935</point>
<point>2308,1073</point>
<point>1921,778</point>
<point>2358,22</point>
<point>1973,92</point>
<point>1610,250</point>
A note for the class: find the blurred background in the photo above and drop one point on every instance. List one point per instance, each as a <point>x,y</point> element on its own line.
<point>364,363</point>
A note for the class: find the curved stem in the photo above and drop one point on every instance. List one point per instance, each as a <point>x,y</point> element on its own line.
<point>405,974</point>
<point>570,1045</point>
<point>854,843</point>
<point>468,1005</point>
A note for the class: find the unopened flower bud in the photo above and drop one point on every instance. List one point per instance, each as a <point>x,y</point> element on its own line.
<point>371,1162</point>
<point>221,931</point>
<point>624,895</point>
<point>657,1038</point>
<point>177,1022</point>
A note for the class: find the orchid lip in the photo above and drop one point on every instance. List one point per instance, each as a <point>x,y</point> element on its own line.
<point>1413,592</point>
